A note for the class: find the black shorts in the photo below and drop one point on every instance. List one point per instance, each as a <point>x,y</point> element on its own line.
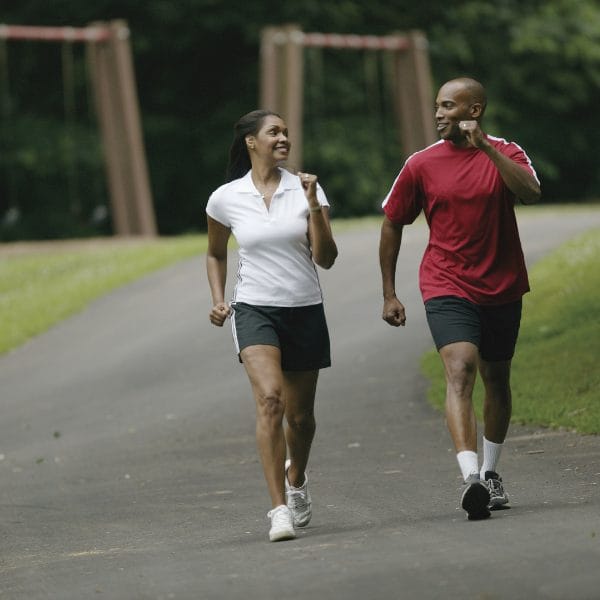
<point>493,329</point>
<point>299,332</point>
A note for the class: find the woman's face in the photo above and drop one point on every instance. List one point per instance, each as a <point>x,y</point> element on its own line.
<point>271,141</point>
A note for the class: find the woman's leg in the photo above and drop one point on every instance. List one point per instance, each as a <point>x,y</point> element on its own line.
<point>299,389</point>
<point>263,365</point>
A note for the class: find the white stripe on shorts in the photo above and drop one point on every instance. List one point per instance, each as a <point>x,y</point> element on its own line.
<point>234,332</point>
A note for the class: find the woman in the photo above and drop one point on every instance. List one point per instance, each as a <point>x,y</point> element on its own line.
<point>281,224</point>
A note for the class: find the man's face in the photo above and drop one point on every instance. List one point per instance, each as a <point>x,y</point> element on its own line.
<point>452,105</point>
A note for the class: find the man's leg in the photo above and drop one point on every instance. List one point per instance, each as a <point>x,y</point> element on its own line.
<point>500,329</point>
<point>497,406</point>
<point>460,363</point>
<point>497,410</point>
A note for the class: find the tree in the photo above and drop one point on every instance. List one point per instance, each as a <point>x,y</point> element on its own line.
<point>197,72</point>
<point>540,62</point>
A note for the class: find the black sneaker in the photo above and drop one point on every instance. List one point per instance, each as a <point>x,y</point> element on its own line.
<point>475,498</point>
<point>498,497</point>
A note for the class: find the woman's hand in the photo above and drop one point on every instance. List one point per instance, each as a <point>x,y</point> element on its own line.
<point>309,185</point>
<point>323,248</point>
<point>219,313</point>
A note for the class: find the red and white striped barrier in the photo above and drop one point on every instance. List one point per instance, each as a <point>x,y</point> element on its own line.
<point>354,42</point>
<point>54,34</point>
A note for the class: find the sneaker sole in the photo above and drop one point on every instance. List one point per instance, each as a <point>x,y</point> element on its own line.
<point>302,523</point>
<point>475,501</point>
<point>498,504</point>
<point>281,536</point>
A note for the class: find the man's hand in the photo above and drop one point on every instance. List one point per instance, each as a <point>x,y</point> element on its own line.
<point>219,313</point>
<point>473,133</point>
<point>519,180</point>
<point>393,312</point>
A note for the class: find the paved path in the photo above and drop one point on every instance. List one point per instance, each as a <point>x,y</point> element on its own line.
<point>128,465</point>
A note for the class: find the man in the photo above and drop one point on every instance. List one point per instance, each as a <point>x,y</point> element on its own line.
<point>472,276</point>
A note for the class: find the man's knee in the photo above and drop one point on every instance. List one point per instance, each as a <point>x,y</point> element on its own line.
<point>460,363</point>
<point>496,376</point>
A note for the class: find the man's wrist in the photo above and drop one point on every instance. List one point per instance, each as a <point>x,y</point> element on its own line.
<point>487,147</point>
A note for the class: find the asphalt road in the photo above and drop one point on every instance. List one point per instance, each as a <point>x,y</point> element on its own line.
<point>128,467</point>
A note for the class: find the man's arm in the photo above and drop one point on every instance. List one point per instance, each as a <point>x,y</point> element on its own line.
<point>389,248</point>
<point>521,183</point>
<point>518,180</point>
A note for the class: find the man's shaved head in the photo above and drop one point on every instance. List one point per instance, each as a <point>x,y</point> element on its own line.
<point>472,87</point>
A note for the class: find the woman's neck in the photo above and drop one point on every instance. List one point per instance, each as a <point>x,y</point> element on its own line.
<point>266,181</point>
<point>264,175</point>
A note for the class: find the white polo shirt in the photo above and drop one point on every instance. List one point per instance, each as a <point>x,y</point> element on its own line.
<point>275,262</point>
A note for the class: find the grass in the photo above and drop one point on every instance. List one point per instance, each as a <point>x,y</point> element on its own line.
<point>555,376</point>
<point>41,288</point>
<point>556,381</point>
<point>43,283</point>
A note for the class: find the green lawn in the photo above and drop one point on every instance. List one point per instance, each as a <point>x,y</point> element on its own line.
<point>39,289</point>
<point>43,283</point>
<point>555,377</point>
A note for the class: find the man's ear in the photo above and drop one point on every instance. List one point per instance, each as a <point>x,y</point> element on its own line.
<point>476,110</point>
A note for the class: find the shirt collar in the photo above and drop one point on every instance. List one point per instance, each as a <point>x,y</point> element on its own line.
<point>288,181</point>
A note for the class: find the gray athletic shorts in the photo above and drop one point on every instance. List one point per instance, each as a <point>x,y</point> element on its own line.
<point>492,328</point>
<point>299,332</point>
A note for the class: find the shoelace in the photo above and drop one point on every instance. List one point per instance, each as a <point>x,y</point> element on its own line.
<point>279,517</point>
<point>297,499</point>
<point>495,486</point>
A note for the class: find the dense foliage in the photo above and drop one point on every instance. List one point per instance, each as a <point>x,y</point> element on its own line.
<point>197,72</point>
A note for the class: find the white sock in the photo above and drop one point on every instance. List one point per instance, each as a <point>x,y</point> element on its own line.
<point>491,456</point>
<point>467,461</point>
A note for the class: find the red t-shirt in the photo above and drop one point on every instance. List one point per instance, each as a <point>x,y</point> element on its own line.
<point>474,250</point>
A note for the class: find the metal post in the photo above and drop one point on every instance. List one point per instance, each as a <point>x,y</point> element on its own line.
<point>110,129</point>
<point>281,71</point>
<point>139,179</point>
<point>420,55</point>
<point>413,93</point>
<point>113,82</point>
<point>281,89</point>
<point>292,75</point>
<point>268,69</point>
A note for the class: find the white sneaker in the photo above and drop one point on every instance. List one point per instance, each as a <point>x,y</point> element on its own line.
<point>282,524</point>
<point>298,499</point>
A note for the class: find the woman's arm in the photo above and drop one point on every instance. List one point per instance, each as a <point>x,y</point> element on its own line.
<point>216,269</point>
<point>320,236</point>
